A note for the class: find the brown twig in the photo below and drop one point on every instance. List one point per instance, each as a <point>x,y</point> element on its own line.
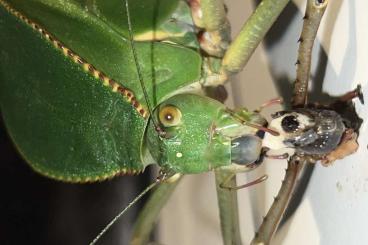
<point>312,18</point>
<point>274,215</point>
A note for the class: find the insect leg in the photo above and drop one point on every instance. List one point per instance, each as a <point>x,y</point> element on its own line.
<point>226,185</point>
<point>251,34</point>
<point>356,93</point>
<point>228,207</point>
<point>210,16</point>
<point>269,103</point>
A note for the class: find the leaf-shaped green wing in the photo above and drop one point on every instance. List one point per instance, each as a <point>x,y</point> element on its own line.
<point>69,94</point>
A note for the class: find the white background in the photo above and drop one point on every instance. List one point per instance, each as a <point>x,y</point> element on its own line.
<point>334,209</point>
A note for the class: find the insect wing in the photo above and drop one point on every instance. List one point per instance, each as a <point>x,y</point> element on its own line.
<point>69,95</point>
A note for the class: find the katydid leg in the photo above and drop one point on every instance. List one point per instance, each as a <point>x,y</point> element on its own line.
<point>251,34</point>
<point>215,38</point>
<point>228,207</point>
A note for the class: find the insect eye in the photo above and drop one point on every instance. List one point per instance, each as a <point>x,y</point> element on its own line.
<point>170,116</point>
<point>320,3</point>
<point>290,124</point>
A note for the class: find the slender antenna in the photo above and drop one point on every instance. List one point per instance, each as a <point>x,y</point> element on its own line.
<point>140,77</point>
<point>107,227</point>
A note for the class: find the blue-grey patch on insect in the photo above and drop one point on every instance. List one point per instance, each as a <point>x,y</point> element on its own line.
<point>245,149</point>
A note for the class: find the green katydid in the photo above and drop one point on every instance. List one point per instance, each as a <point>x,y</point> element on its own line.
<point>92,118</point>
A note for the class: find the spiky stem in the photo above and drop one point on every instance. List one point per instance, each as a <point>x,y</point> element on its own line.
<point>313,15</point>
<point>274,215</point>
<point>312,19</point>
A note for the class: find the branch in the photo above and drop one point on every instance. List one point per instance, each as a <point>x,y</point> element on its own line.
<point>312,19</point>
<point>274,215</point>
<point>314,13</point>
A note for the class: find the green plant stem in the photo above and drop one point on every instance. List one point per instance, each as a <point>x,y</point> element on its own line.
<point>148,216</point>
<point>228,206</point>
<point>251,34</point>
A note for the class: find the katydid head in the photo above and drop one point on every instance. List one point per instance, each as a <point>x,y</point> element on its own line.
<point>202,134</point>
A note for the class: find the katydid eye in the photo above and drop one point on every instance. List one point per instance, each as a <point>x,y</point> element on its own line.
<point>170,116</point>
